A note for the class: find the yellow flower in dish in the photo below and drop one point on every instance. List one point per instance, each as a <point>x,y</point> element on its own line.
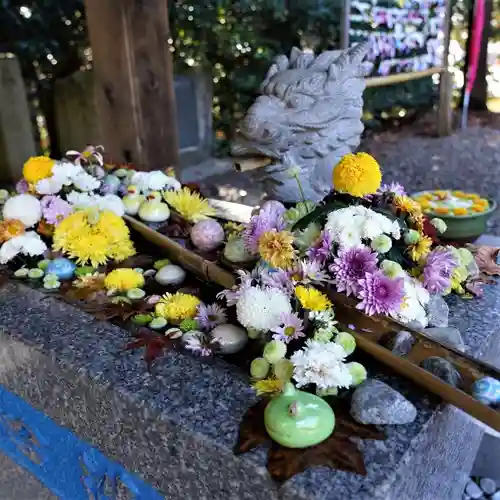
<point>357,174</point>
<point>459,194</point>
<point>442,195</point>
<point>483,202</point>
<point>442,210</point>
<point>177,307</point>
<point>312,299</point>
<point>38,168</point>
<point>420,249</point>
<point>123,280</point>
<point>191,206</point>
<point>268,387</point>
<point>459,211</point>
<point>427,196</point>
<point>424,204</point>
<point>473,196</point>
<point>10,228</point>
<point>478,208</point>
<point>276,248</point>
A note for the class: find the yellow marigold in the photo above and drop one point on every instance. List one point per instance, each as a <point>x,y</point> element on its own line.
<point>442,210</point>
<point>276,248</point>
<point>268,387</point>
<point>357,174</point>
<point>177,307</point>
<point>191,206</point>
<point>37,168</point>
<point>312,299</point>
<point>10,228</point>
<point>442,195</point>
<point>123,280</point>
<point>460,211</point>
<point>94,237</point>
<point>406,204</point>
<point>483,202</point>
<point>478,208</point>
<point>473,196</point>
<point>421,249</point>
<point>459,194</point>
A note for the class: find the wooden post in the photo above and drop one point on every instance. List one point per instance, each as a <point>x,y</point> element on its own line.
<point>446,80</point>
<point>134,81</point>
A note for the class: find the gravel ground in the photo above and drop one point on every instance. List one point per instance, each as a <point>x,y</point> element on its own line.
<point>468,160</point>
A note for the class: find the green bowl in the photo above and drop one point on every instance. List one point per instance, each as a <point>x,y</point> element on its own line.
<point>462,227</point>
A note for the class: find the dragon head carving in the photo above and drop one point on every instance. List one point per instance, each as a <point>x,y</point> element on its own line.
<point>308,116</point>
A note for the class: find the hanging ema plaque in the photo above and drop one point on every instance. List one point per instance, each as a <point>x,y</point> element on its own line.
<point>405,36</point>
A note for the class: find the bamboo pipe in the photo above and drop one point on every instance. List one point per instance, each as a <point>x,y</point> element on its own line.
<point>248,164</point>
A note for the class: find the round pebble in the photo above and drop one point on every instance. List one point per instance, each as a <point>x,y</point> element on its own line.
<point>488,485</point>
<point>473,490</point>
<point>230,338</point>
<point>496,496</point>
<point>170,275</point>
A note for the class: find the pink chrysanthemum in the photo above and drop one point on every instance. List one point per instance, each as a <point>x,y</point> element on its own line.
<point>209,317</point>
<point>292,328</point>
<point>380,294</point>
<point>352,265</point>
<point>322,249</point>
<point>55,209</point>
<point>438,270</point>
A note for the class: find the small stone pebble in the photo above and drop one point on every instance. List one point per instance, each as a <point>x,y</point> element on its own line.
<point>488,485</point>
<point>496,496</point>
<point>473,490</point>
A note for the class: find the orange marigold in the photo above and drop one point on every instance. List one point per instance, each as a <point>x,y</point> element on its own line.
<point>442,210</point>
<point>459,211</point>
<point>10,228</point>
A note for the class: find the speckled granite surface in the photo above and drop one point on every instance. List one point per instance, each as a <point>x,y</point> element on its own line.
<point>176,427</point>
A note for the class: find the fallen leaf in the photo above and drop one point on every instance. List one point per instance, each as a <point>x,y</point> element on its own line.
<point>154,343</point>
<point>486,259</point>
<point>336,452</point>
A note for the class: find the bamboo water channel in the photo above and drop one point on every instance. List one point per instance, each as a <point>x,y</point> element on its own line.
<point>371,333</point>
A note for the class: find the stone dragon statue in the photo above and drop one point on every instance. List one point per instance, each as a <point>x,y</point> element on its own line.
<point>307,117</point>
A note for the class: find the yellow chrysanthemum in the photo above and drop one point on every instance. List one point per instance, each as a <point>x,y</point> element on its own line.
<point>37,168</point>
<point>421,249</point>
<point>312,299</point>
<point>190,205</point>
<point>459,194</point>
<point>123,280</point>
<point>90,236</point>
<point>276,248</point>
<point>10,228</point>
<point>268,387</point>
<point>177,307</point>
<point>478,208</point>
<point>442,210</point>
<point>417,221</point>
<point>357,174</point>
<point>406,204</point>
<point>460,211</point>
<point>483,202</point>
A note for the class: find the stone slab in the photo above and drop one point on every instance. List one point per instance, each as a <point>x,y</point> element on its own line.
<point>176,427</point>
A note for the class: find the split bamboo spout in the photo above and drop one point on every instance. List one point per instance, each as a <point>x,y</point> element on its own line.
<point>248,164</point>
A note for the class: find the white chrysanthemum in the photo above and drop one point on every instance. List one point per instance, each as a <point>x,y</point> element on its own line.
<point>66,172</point>
<point>23,207</point>
<point>28,243</point>
<point>80,201</point>
<point>349,226</point>
<point>321,364</point>
<point>86,182</point>
<point>113,203</point>
<point>50,185</point>
<point>414,302</point>
<point>261,309</point>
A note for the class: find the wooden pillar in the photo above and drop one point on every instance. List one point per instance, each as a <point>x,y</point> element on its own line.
<point>134,81</point>
<point>445,115</point>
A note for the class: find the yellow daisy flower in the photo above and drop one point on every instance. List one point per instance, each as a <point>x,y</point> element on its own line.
<point>421,249</point>
<point>276,248</point>
<point>312,299</point>
<point>357,174</point>
<point>177,307</point>
<point>191,206</point>
<point>123,280</point>
<point>268,387</point>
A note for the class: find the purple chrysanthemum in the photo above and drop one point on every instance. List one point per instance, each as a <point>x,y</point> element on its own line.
<point>308,271</point>
<point>279,279</point>
<point>321,250</point>
<point>380,294</point>
<point>55,209</point>
<point>292,328</point>
<point>394,187</point>
<point>438,270</point>
<point>231,295</point>
<point>352,265</point>
<point>270,217</point>
<point>208,317</point>
<point>22,186</point>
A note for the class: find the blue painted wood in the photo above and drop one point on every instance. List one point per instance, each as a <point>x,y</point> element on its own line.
<point>69,467</point>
